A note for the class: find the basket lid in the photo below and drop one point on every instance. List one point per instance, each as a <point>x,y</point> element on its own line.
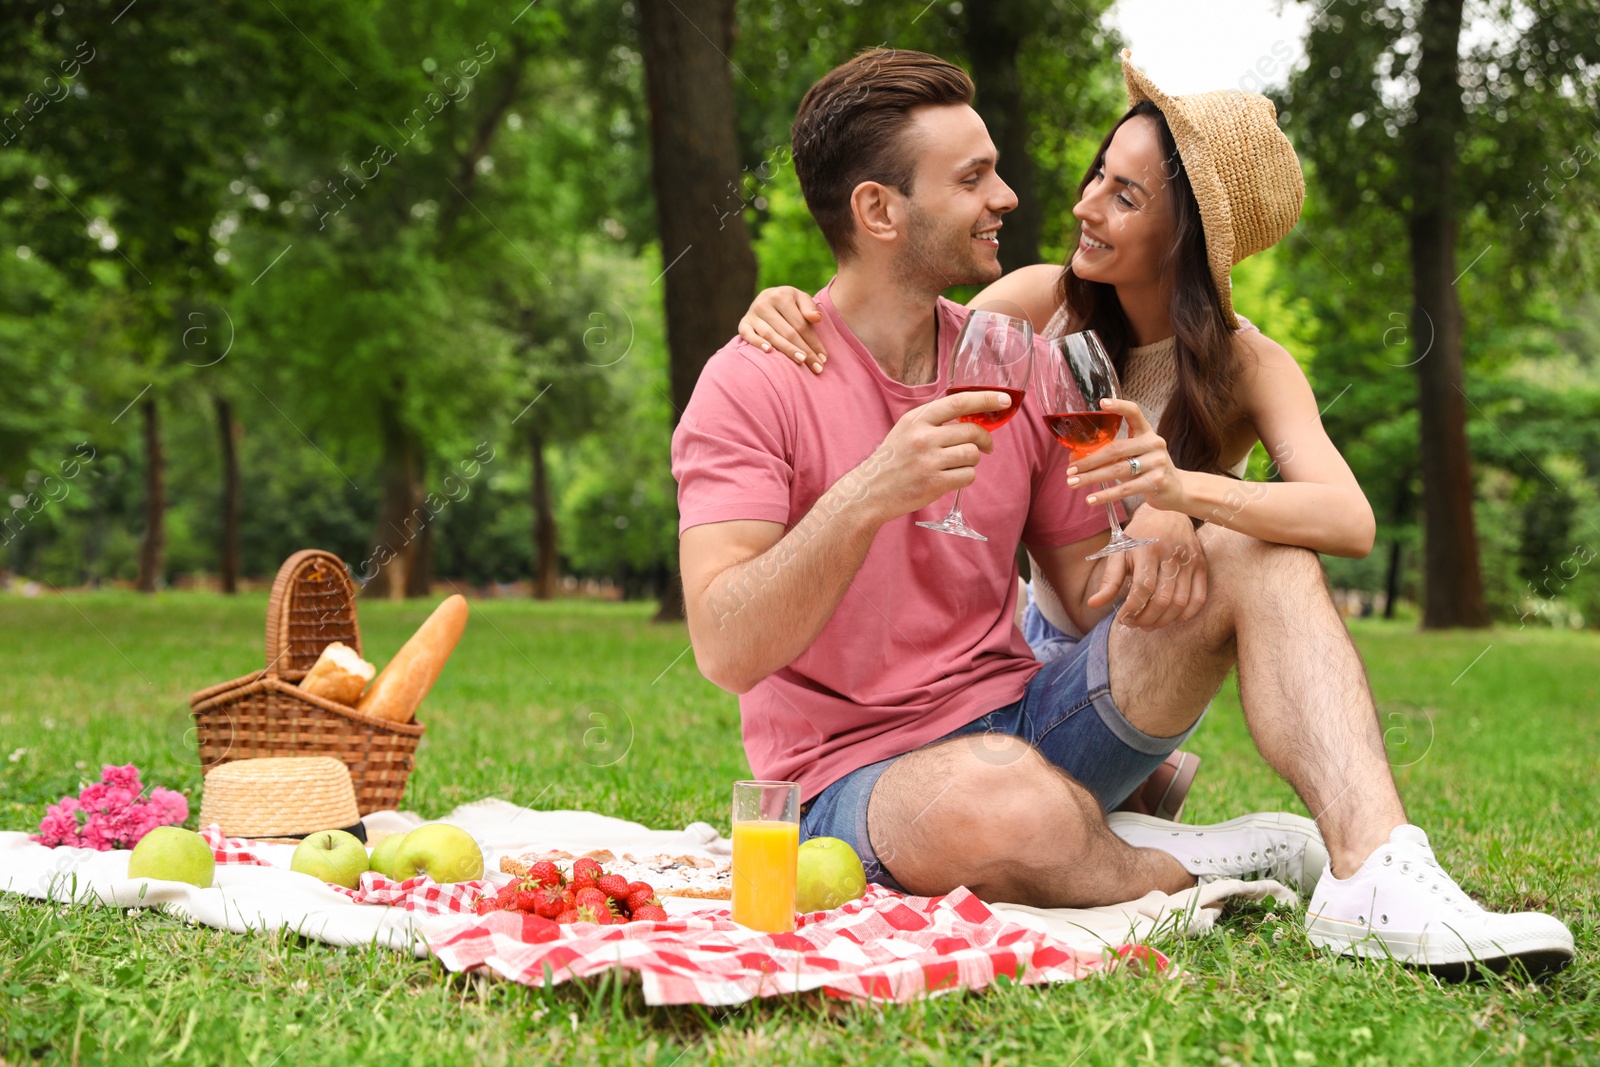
<point>279,796</point>
<point>313,604</point>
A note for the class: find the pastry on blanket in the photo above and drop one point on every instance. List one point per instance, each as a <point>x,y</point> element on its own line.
<point>695,877</point>
<point>339,675</point>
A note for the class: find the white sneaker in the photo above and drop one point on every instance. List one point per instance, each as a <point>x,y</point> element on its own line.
<point>1272,844</point>
<point>1402,904</point>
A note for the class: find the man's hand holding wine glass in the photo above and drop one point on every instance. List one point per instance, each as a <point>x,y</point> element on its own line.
<point>930,453</point>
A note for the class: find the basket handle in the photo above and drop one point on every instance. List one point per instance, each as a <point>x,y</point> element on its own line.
<point>281,603</point>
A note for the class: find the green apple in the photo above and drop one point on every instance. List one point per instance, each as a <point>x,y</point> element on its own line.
<point>173,854</point>
<point>443,852</point>
<point>384,855</point>
<point>333,856</point>
<point>828,874</point>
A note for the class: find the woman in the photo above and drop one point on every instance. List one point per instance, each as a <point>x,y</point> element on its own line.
<point>1181,189</point>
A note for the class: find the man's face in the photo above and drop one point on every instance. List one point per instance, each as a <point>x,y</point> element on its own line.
<point>952,218</point>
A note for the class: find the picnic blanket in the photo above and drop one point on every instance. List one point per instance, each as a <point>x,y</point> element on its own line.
<point>884,946</point>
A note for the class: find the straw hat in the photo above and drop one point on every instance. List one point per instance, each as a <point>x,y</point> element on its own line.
<point>280,798</point>
<point>1245,174</point>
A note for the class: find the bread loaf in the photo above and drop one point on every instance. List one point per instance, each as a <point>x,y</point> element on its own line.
<point>338,675</point>
<point>408,677</point>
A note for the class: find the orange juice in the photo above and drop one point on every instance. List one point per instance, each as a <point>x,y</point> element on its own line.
<point>765,853</point>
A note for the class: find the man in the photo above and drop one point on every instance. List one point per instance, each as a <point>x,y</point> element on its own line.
<point>878,664</point>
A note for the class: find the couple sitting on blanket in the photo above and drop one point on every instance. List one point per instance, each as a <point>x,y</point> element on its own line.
<point>880,664</point>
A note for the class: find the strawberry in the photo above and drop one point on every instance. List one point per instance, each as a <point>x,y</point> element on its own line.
<point>584,867</point>
<point>592,898</point>
<point>528,900</point>
<point>634,887</point>
<point>506,899</point>
<point>484,906</point>
<point>650,913</point>
<point>545,874</point>
<point>613,885</point>
<point>549,903</point>
<point>598,916</point>
<point>639,898</point>
<point>570,915</point>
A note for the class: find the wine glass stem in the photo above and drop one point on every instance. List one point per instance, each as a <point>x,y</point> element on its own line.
<point>955,511</point>
<point>1116,527</point>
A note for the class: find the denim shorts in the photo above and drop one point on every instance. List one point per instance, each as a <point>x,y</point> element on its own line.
<point>1066,713</point>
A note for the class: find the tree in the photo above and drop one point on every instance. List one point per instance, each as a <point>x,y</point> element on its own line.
<point>1408,130</point>
<point>710,274</point>
<point>112,186</point>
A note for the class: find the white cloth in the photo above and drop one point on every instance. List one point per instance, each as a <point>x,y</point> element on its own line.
<point>250,898</point>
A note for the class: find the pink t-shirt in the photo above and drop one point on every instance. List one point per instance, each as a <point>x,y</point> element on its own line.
<point>924,640</point>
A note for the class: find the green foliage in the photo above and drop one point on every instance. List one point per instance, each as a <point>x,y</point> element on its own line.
<point>1522,250</point>
<point>503,257</point>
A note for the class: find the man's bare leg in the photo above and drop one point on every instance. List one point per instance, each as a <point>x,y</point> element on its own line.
<point>1304,690</point>
<point>989,812</point>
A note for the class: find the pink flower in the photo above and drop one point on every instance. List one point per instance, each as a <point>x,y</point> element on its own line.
<point>111,813</point>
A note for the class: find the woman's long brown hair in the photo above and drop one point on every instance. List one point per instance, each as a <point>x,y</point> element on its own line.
<point>1202,403</point>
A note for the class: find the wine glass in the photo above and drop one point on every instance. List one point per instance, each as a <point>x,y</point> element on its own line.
<point>994,352</point>
<point>1073,380</point>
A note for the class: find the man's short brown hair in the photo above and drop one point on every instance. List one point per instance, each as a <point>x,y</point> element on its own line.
<point>851,129</point>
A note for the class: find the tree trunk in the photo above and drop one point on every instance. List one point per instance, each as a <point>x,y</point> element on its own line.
<point>228,550</point>
<point>419,575</point>
<point>993,37</point>
<point>1391,582</point>
<point>546,568</point>
<point>709,271</point>
<point>397,564</point>
<point>1452,587</point>
<point>153,552</point>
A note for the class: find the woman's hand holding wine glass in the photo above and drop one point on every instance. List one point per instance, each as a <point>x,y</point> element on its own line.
<point>1160,483</point>
<point>1072,384</point>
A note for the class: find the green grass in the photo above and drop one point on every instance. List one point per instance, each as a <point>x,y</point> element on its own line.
<point>1498,763</point>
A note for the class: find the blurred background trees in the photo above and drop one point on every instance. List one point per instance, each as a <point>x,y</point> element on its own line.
<point>426,285</point>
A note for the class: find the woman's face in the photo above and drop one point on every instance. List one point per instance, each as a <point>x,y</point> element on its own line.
<point>1125,212</point>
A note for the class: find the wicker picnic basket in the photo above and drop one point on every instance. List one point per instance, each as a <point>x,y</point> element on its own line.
<point>265,713</point>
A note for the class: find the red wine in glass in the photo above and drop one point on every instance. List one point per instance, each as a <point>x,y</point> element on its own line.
<point>1072,381</point>
<point>992,352</point>
<point>1084,431</point>
<point>990,420</point>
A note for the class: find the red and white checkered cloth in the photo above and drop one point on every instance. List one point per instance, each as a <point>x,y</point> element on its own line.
<point>231,849</point>
<point>883,947</point>
<point>421,894</point>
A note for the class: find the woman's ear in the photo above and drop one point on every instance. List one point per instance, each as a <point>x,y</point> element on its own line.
<point>876,208</point>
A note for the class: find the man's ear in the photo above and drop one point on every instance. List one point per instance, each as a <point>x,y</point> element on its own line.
<point>877,210</point>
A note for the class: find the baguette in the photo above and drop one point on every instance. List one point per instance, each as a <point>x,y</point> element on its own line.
<point>397,691</point>
<point>338,675</point>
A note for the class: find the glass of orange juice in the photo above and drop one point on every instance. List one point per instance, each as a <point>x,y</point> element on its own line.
<point>766,843</point>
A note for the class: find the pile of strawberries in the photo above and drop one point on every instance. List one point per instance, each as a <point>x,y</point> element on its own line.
<point>590,896</point>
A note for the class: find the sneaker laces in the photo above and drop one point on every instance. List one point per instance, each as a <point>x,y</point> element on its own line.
<point>1266,860</point>
<point>1416,863</point>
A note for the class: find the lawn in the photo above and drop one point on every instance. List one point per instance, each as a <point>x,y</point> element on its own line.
<point>1495,740</point>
